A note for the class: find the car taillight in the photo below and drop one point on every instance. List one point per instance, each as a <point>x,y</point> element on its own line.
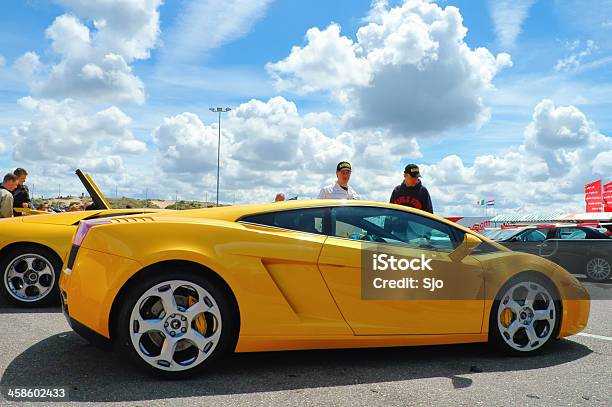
<point>81,232</point>
<point>84,227</point>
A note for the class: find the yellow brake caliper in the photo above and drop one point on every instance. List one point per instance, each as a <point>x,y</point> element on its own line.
<point>200,321</point>
<point>506,317</point>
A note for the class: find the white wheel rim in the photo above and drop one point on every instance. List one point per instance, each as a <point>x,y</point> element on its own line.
<point>533,316</point>
<point>598,269</point>
<point>164,327</point>
<point>29,277</point>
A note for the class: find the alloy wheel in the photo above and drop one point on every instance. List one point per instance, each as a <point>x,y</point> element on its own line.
<point>526,316</point>
<point>29,277</point>
<point>175,325</point>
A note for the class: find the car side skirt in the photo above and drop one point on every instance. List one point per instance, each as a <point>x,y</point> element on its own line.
<point>276,343</point>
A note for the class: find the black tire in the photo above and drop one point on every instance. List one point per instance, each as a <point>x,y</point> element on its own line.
<point>9,286</point>
<point>598,269</point>
<point>225,345</point>
<point>549,331</point>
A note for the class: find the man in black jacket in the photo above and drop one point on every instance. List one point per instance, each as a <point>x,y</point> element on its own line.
<point>411,192</point>
<point>21,194</point>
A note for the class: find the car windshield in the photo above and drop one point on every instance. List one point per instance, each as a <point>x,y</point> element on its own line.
<point>499,234</point>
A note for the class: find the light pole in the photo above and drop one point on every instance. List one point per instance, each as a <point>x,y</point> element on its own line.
<point>219,110</point>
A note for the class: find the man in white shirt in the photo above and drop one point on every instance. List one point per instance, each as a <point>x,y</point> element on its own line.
<point>9,183</point>
<point>340,189</point>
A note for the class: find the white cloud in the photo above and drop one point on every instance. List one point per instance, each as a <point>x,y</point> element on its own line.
<point>29,65</point>
<point>205,25</point>
<point>508,17</point>
<point>127,28</point>
<point>602,164</point>
<point>94,64</point>
<point>266,148</point>
<point>573,61</point>
<point>186,145</point>
<point>2,61</point>
<point>318,119</point>
<point>106,165</point>
<point>409,70</point>
<point>561,152</point>
<point>65,133</point>
<point>329,61</point>
<point>267,133</point>
<point>130,147</point>
<point>555,128</point>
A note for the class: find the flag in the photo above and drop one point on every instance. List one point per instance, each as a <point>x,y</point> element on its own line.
<point>491,202</point>
<point>593,196</point>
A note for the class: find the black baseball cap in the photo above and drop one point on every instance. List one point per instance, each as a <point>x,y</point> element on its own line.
<point>412,170</point>
<point>343,165</point>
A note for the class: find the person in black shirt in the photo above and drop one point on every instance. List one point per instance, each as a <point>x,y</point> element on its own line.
<point>21,194</point>
<point>411,192</point>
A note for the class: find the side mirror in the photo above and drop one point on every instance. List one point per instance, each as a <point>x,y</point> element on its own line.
<point>469,244</point>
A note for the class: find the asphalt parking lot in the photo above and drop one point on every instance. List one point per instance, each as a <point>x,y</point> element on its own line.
<point>39,349</point>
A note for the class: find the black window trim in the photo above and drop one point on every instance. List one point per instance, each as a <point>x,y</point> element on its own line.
<point>325,225</point>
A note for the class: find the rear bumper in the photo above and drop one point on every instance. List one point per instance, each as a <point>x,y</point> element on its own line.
<point>89,289</point>
<point>86,333</point>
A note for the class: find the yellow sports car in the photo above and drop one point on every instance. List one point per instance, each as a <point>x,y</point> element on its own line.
<point>175,291</point>
<point>32,248</point>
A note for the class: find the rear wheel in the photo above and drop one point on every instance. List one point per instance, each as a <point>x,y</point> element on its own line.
<point>177,324</point>
<point>598,269</point>
<point>525,316</point>
<point>30,276</point>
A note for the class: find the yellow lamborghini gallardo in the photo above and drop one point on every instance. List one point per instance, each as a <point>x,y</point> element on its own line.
<point>32,248</point>
<point>176,291</point>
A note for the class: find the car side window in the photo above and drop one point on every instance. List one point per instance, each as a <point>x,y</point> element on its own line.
<point>533,235</point>
<point>385,225</point>
<point>309,220</point>
<point>572,233</point>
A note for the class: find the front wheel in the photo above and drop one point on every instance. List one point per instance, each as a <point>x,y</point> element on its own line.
<point>175,325</point>
<point>525,316</point>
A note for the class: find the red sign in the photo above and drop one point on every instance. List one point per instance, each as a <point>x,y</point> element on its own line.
<point>607,197</point>
<point>593,196</point>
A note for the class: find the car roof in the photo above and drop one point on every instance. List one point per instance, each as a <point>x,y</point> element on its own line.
<point>235,212</point>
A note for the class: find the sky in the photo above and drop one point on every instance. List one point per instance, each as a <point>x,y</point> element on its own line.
<point>504,100</point>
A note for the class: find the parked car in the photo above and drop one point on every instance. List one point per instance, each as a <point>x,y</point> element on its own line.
<point>579,249</point>
<point>174,292</point>
<point>32,247</point>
